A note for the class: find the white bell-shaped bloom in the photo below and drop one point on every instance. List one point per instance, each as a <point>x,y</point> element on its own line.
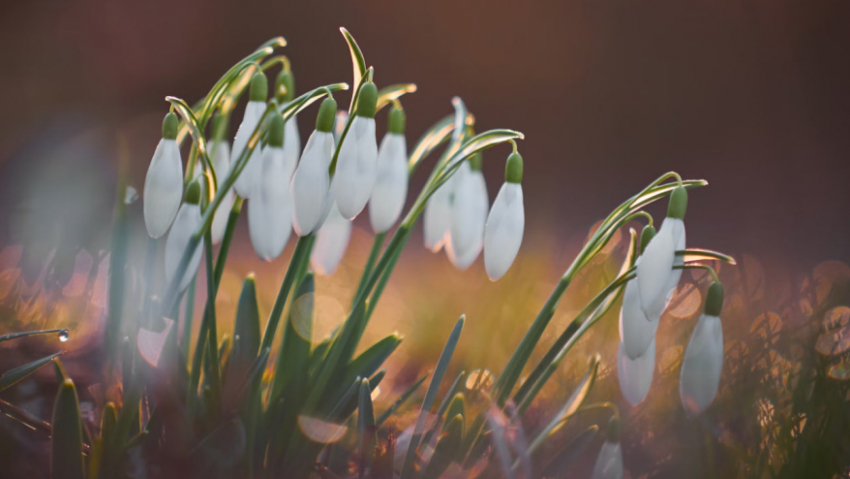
<point>163,187</point>
<point>356,167</point>
<point>470,205</point>
<point>636,330</point>
<point>221,160</point>
<point>269,209</point>
<point>438,216</point>
<point>187,222</point>
<point>635,375</point>
<point>331,243</point>
<point>339,124</point>
<point>164,181</point>
<point>504,229</point>
<point>390,189</point>
<point>311,183</point>
<point>702,365</point>
<point>609,462</point>
<point>291,145</point>
<point>656,278</point>
<point>244,184</point>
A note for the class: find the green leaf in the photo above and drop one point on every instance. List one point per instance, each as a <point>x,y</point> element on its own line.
<point>570,407</point>
<point>298,104</point>
<point>404,397</point>
<point>247,324</point>
<point>430,395</point>
<point>393,92</point>
<point>66,442</point>
<point>198,136</point>
<point>366,430</point>
<point>12,376</point>
<point>371,359</point>
<point>691,255</point>
<point>358,63</point>
<point>569,454</point>
<point>447,448</point>
<point>8,337</point>
<point>438,134</point>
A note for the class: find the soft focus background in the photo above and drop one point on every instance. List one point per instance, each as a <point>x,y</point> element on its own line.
<point>751,95</point>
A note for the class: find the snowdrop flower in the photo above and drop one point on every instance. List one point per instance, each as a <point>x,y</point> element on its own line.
<point>506,222</point>
<point>244,184</point>
<point>285,89</point>
<point>635,374</point>
<point>636,329</point>
<point>470,205</point>
<point>609,462</point>
<point>187,222</point>
<point>331,243</point>
<point>354,175</point>
<point>269,209</point>
<point>703,361</point>
<point>390,189</point>
<point>220,149</point>
<point>164,181</point>
<point>438,216</point>
<point>310,186</point>
<point>656,278</point>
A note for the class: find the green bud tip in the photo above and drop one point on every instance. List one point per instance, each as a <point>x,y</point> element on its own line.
<point>475,161</point>
<point>193,193</point>
<point>169,126</point>
<point>614,429</point>
<point>678,203</point>
<point>259,87</point>
<point>367,100</point>
<point>276,131</point>
<point>397,121</point>
<point>219,126</point>
<point>513,168</point>
<point>646,236</point>
<point>327,116</point>
<point>284,86</point>
<point>308,284</point>
<point>714,299</point>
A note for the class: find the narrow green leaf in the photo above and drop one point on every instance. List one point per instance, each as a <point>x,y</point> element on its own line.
<point>565,458</point>
<point>404,397</point>
<point>438,134</point>
<point>358,63</point>
<point>691,255</point>
<point>447,448</point>
<point>371,359</point>
<point>366,430</point>
<point>12,376</point>
<point>60,332</point>
<point>393,92</point>
<point>442,364</point>
<point>247,324</point>
<point>66,442</point>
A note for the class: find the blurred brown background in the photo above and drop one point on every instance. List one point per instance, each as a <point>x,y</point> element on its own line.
<point>750,94</point>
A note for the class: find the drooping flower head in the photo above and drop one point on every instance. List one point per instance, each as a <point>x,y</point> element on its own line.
<point>390,189</point>
<point>188,221</point>
<point>284,92</point>
<point>703,362</point>
<point>636,330</point>
<point>635,374</point>
<point>220,149</point>
<point>470,206</point>
<point>311,182</point>
<point>506,222</point>
<point>164,181</point>
<point>331,243</point>
<point>258,93</point>
<point>354,175</point>
<point>270,209</point>
<point>609,462</point>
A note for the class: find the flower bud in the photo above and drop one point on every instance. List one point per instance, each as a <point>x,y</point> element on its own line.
<point>164,181</point>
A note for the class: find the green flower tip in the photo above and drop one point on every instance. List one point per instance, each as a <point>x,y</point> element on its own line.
<point>259,87</point>
<point>169,126</point>
<point>678,203</point>
<point>327,116</point>
<point>397,121</point>
<point>714,299</point>
<point>284,86</point>
<point>276,131</point>
<point>193,193</point>
<point>367,100</point>
<point>614,429</point>
<point>219,126</point>
<point>308,284</point>
<point>513,168</point>
<point>476,161</point>
<point>646,236</point>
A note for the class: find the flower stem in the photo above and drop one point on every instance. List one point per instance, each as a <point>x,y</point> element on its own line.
<point>300,257</point>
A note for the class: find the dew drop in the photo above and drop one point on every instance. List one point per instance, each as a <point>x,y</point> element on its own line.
<point>63,335</point>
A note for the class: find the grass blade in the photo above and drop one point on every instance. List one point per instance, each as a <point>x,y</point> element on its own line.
<point>12,376</point>
<point>358,63</point>
<point>398,402</point>
<point>366,430</point>
<point>66,442</point>
<point>566,457</point>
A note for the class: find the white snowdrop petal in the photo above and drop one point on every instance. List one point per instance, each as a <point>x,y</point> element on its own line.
<point>188,220</point>
<point>244,184</point>
<point>163,188</point>
<point>702,365</point>
<point>438,217</point>
<point>356,167</point>
<point>390,190</point>
<point>504,230</point>
<point>291,146</point>
<point>635,375</point>
<point>469,217</point>
<point>636,330</point>
<point>609,462</point>
<point>331,243</point>
<point>221,161</point>
<point>310,184</point>
<point>269,211</point>
<point>654,269</point>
